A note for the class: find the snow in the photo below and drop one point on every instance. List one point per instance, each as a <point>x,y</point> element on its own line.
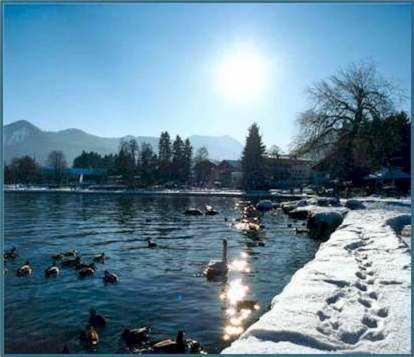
<point>18,136</point>
<point>353,297</point>
<point>354,204</point>
<point>302,212</point>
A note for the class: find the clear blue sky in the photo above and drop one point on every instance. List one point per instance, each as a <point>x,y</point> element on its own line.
<point>117,69</point>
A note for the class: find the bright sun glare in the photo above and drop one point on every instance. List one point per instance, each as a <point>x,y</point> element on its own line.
<point>241,76</point>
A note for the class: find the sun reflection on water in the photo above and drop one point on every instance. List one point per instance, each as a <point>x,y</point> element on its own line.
<point>238,307</point>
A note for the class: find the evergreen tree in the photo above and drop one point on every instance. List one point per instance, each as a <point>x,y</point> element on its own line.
<point>187,159</point>
<point>164,156</point>
<point>147,164</point>
<point>88,160</point>
<point>108,163</point>
<point>253,162</point>
<point>177,159</point>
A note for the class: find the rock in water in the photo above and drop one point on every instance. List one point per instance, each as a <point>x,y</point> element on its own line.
<point>322,224</point>
<point>354,204</point>
<point>291,205</point>
<point>299,213</point>
<point>265,205</point>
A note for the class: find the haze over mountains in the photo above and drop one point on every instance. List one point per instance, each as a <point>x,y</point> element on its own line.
<point>24,138</point>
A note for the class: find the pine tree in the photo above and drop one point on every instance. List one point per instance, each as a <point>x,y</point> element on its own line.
<point>253,162</point>
<point>187,156</point>
<point>177,159</point>
<point>164,156</point>
<point>147,164</point>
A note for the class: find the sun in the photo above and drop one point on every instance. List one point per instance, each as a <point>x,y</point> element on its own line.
<point>241,76</point>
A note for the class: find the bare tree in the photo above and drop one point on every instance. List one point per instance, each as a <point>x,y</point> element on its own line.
<point>201,154</point>
<point>340,107</point>
<point>56,160</point>
<point>274,151</point>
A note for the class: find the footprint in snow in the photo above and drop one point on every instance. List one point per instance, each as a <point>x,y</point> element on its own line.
<point>370,321</point>
<point>382,312</point>
<point>360,275</point>
<point>364,302</point>
<point>361,286</point>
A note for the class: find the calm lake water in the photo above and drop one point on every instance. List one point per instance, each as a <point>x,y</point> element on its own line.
<point>159,287</point>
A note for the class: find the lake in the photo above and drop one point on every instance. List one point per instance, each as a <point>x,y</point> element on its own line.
<point>161,287</point>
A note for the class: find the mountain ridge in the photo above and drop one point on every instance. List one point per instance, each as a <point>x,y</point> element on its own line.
<point>24,138</point>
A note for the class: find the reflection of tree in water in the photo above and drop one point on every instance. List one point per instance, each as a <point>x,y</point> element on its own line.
<point>84,210</point>
<point>126,208</point>
<point>56,205</point>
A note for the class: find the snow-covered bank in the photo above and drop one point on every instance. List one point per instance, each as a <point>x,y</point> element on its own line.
<point>355,296</point>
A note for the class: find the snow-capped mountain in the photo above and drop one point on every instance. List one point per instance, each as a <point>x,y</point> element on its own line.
<point>24,138</point>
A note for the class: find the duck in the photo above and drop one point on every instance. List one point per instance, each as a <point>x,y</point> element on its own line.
<point>96,320</point>
<point>247,305</point>
<point>110,277</point>
<point>72,253</point>
<point>71,262</point>
<point>52,271</point>
<point>136,336</point>
<point>171,346</point>
<point>90,336</point>
<point>301,230</point>
<point>210,211</point>
<point>100,258</point>
<point>25,269</point>
<point>81,265</point>
<point>195,347</point>
<point>11,254</point>
<point>258,243</point>
<point>193,212</point>
<point>151,243</point>
<point>86,271</point>
<point>218,267</point>
<point>58,256</point>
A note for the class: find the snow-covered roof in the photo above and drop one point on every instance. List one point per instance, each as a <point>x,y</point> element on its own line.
<point>393,173</point>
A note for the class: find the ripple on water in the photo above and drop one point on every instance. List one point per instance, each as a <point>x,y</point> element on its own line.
<point>160,287</point>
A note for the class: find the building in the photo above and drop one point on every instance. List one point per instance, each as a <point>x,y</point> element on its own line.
<point>289,171</point>
<point>228,173</point>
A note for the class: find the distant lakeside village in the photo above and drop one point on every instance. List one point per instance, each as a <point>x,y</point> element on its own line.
<point>174,166</point>
<point>353,140</point>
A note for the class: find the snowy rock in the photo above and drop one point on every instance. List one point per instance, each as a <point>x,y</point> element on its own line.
<point>328,201</point>
<point>354,204</point>
<point>291,205</point>
<point>264,205</point>
<point>300,212</point>
<point>323,221</point>
<point>353,297</point>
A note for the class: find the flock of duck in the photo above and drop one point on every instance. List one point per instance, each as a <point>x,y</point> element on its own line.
<point>66,259</point>
<point>138,339</point>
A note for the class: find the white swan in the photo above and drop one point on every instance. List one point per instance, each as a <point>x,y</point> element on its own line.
<point>217,268</point>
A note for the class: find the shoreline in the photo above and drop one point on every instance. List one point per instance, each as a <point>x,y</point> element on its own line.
<point>353,297</point>
<point>167,192</point>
